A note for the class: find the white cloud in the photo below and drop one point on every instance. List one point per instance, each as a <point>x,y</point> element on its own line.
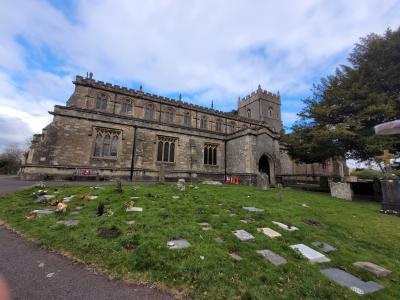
<point>203,49</point>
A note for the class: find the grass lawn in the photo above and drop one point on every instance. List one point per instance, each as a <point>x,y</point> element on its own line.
<point>356,229</point>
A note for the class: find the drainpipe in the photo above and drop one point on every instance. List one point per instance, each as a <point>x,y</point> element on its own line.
<point>133,153</point>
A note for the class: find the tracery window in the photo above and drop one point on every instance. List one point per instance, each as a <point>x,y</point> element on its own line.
<point>101,102</point>
<point>186,119</point>
<point>169,116</point>
<point>106,143</point>
<point>203,123</point>
<point>210,154</point>
<point>149,112</point>
<point>126,107</point>
<point>166,149</point>
<point>218,126</point>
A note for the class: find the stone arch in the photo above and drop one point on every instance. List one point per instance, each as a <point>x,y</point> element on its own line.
<point>266,165</point>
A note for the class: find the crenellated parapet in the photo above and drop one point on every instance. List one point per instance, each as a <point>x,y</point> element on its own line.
<point>259,94</point>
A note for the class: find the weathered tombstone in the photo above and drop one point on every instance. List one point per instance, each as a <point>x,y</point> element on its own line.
<point>269,232</point>
<point>285,227</point>
<point>347,280</point>
<point>262,181</point>
<point>205,226</point>
<point>218,240</point>
<point>324,247</point>
<point>390,196</point>
<point>309,253</point>
<point>272,257</point>
<point>181,184</point>
<point>178,244</point>
<point>253,209</point>
<point>161,174</point>
<point>40,212</point>
<point>378,271</point>
<point>243,235</point>
<point>235,256</point>
<point>135,209</point>
<point>68,223</point>
<point>119,186</point>
<point>341,190</point>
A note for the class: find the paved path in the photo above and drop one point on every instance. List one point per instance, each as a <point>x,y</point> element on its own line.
<point>21,264</point>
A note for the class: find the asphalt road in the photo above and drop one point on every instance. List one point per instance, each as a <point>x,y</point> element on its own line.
<point>34,273</point>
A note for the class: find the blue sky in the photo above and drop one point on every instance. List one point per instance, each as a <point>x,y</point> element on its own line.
<point>206,50</point>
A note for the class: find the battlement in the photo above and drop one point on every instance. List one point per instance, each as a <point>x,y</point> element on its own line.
<point>114,88</point>
<point>259,94</point>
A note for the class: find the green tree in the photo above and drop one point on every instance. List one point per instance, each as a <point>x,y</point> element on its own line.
<point>338,119</point>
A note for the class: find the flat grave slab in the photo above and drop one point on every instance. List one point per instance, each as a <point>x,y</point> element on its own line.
<point>68,223</point>
<point>285,227</point>
<point>253,209</point>
<point>175,197</point>
<point>324,247</point>
<point>130,222</point>
<point>40,212</point>
<point>243,235</point>
<point>137,209</point>
<point>272,257</point>
<point>178,244</point>
<point>205,226</point>
<point>309,253</point>
<point>91,197</point>
<point>135,198</point>
<point>354,283</point>
<point>68,199</point>
<point>269,232</point>
<point>235,256</point>
<point>378,271</point>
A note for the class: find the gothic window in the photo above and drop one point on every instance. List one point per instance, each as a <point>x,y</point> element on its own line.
<point>169,116</point>
<point>231,127</point>
<point>126,107</point>
<point>186,119</point>
<point>203,123</point>
<point>166,149</point>
<point>149,112</point>
<point>249,113</point>
<point>101,102</point>
<point>210,154</point>
<point>324,165</point>
<point>106,143</point>
<point>270,112</point>
<point>218,126</point>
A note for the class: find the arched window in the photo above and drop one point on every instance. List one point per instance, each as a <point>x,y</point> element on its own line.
<point>166,151</point>
<point>186,119</point>
<point>218,126</point>
<point>169,116</point>
<point>126,107</point>
<point>210,154</point>
<point>149,112</point>
<point>101,102</point>
<point>270,112</point>
<point>172,152</point>
<point>203,123</point>
<point>160,151</point>
<point>231,127</point>
<point>249,113</point>
<point>114,144</point>
<point>106,146</point>
<point>98,144</point>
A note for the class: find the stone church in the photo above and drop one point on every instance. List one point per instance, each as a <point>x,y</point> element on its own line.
<point>107,131</point>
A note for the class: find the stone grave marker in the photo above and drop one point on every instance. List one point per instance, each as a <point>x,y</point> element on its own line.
<point>269,232</point>
<point>219,240</point>
<point>133,208</point>
<point>235,256</point>
<point>285,227</point>
<point>272,257</point>
<point>74,213</point>
<point>347,280</point>
<point>175,197</point>
<point>68,199</point>
<point>253,209</point>
<point>324,247</point>
<point>178,244</point>
<point>130,222</point>
<point>78,207</point>
<point>68,223</point>
<point>161,174</point>
<point>262,181</point>
<point>309,253</point>
<point>135,198</point>
<point>41,212</point>
<point>181,184</point>
<point>378,271</point>
<point>205,226</point>
<point>243,235</point>
<point>91,197</point>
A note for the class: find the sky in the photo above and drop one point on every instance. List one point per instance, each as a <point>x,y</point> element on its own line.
<point>205,50</point>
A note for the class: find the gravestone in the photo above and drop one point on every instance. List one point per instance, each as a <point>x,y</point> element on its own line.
<point>378,271</point>
<point>341,190</point>
<point>285,227</point>
<point>181,184</point>
<point>309,253</point>
<point>131,222</point>
<point>40,212</point>
<point>253,209</point>
<point>235,256</point>
<point>218,240</point>
<point>161,174</point>
<point>269,232</point>
<point>243,235</point>
<point>68,199</point>
<point>175,197</point>
<point>205,226</point>
<point>390,196</point>
<point>262,181</point>
<point>272,257</point>
<point>133,208</point>
<point>178,244</point>
<point>68,223</point>
<point>347,280</point>
<point>324,247</point>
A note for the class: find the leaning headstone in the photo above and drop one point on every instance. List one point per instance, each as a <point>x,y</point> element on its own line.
<point>253,209</point>
<point>378,271</point>
<point>309,253</point>
<point>262,181</point>
<point>181,184</point>
<point>178,244</point>
<point>69,223</point>
<point>133,208</point>
<point>243,235</point>
<point>324,247</point>
<point>285,227</point>
<point>347,280</point>
<point>269,232</point>
<point>341,190</point>
<point>235,256</point>
<point>272,257</point>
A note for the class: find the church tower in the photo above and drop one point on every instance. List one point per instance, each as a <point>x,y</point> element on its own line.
<point>263,106</point>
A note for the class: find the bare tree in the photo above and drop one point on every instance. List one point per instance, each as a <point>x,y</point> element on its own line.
<point>11,159</point>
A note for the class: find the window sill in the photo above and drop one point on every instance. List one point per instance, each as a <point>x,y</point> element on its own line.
<point>165,163</point>
<point>211,166</point>
<point>104,158</point>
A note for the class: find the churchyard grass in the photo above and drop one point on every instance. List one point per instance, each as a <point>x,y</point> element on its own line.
<point>138,252</point>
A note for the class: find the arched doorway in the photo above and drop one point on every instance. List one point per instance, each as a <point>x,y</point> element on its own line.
<point>263,166</point>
